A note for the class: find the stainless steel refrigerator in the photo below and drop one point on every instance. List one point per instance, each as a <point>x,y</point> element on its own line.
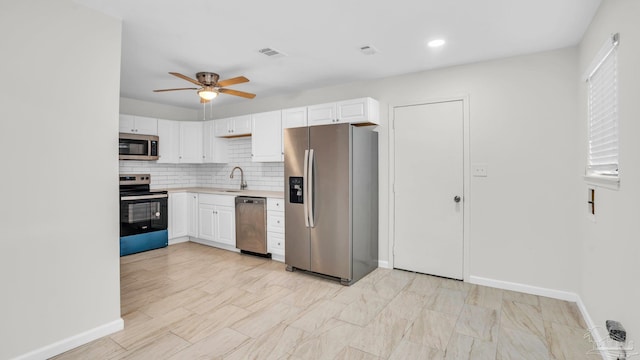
<point>331,207</point>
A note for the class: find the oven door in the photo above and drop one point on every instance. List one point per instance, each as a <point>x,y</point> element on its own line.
<point>141,214</point>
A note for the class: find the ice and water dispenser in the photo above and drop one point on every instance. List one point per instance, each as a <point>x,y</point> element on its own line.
<point>295,190</point>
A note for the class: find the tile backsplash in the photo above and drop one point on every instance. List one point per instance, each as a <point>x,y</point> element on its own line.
<point>259,176</point>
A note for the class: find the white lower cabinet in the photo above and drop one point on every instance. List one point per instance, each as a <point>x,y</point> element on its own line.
<point>182,222</point>
<point>216,219</point>
<point>210,219</point>
<point>206,221</point>
<point>178,220</point>
<point>275,228</point>
<point>275,245</point>
<point>226,225</point>
<point>192,214</point>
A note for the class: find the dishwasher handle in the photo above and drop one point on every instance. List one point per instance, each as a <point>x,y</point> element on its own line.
<point>258,201</point>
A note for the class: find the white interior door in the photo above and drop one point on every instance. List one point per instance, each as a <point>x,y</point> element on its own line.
<point>429,161</point>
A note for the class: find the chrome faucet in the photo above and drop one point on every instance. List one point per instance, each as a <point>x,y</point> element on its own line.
<point>243,184</point>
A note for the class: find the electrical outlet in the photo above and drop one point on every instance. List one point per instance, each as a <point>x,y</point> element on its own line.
<point>479,170</point>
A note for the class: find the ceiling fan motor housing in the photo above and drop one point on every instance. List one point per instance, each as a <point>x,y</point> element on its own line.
<point>208,78</point>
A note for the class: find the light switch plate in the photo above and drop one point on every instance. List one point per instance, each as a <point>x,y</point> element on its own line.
<point>479,170</point>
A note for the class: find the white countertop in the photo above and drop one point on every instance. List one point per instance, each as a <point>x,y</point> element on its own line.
<point>232,192</point>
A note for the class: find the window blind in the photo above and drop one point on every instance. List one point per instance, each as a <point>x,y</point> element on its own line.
<point>603,111</point>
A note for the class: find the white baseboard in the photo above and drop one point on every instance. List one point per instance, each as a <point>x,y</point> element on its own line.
<point>73,341</point>
<point>383,264</point>
<point>596,337</point>
<point>528,289</point>
<point>214,244</point>
<point>178,240</point>
<point>552,293</point>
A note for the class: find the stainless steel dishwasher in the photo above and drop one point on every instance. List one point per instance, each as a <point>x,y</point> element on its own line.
<point>251,225</point>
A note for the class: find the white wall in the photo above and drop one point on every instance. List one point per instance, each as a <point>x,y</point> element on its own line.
<point>163,111</point>
<point>611,244</point>
<point>59,251</point>
<point>522,118</point>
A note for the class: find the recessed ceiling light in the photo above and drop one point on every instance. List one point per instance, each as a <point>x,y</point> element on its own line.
<point>436,43</point>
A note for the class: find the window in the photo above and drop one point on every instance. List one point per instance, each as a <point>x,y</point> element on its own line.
<point>602,81</point>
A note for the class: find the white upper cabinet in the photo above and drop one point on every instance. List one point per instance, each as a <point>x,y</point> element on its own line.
<point>221,127</point>
<point>190,142</point>
<point>169,141</point>
<point>242,125</point>
<point>266,140</point>
<point>321,114</point>
<point>138,125</point>
<point>356,111</point>
<point>127,123</point>
<point>294,117</point>
<point>232,127</point>
<point>215,150</point>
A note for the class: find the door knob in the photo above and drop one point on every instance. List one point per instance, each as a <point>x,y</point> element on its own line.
<point>456,198</point>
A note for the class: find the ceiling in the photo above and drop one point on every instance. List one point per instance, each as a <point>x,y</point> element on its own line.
<point>321,40</point>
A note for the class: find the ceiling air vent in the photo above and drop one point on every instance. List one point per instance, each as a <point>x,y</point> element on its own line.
<point>368,50</point>
<point>270,52</point>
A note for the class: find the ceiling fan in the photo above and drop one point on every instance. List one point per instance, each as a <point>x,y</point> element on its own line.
<point>210,87</point>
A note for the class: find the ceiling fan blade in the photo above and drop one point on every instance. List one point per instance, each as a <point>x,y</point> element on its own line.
<point>161,90</point>
<point>237,93</point>
<point>233,81</point>
<point>184,77</point>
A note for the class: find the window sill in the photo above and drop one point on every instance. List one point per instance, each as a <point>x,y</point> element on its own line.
<point>608,182</point>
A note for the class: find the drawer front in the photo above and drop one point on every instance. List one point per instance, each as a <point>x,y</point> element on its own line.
<point>275,222</point>
<point>275,242</point>
<point>222,200</point>
<point>275,204</point>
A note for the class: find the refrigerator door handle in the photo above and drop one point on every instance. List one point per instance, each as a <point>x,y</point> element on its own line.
<point>305,188</point>
<point>311,190</point>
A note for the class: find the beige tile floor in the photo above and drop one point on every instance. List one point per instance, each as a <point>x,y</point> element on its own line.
<point>190,301</point>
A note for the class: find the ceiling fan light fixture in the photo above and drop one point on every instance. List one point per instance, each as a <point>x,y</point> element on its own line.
<point>207,93</point>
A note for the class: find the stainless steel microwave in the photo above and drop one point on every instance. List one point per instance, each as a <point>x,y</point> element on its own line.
<point>138,147</point>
